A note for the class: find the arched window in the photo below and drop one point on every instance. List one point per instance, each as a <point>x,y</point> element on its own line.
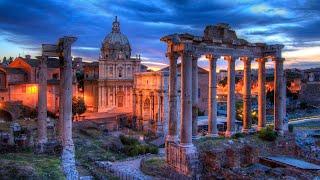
<point>120,72</point>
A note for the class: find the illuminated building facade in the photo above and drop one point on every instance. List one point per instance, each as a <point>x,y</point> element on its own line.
<point>19,82</point>
<point>116,68</point>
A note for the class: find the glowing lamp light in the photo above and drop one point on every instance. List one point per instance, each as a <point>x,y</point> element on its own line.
<point>32,89</point>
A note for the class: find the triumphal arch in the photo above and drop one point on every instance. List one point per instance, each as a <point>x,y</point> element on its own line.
<point>217,41</point>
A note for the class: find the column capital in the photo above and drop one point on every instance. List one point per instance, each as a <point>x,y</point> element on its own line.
<point>172,55</point>
<point>230,58</point>
<point>277,59</point>
<point>211,57</point>
<point>246,59</point>
<point>261,60</point>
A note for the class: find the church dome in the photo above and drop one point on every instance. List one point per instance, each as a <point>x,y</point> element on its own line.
<point>115,45</point>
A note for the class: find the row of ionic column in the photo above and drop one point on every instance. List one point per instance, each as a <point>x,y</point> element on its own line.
<point>189,96</point>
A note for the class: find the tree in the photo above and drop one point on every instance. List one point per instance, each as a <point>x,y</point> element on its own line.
<point>80,79</point>
<point>78,106</point>
<point>10,59</point>
<point>4,59</point>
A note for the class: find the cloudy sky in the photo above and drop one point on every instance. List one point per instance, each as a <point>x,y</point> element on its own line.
<point>26,24</point>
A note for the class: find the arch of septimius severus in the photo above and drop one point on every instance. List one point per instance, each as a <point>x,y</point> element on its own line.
<point>218,41</point>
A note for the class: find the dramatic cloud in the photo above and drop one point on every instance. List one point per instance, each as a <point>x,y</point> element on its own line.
<point>25,25</point>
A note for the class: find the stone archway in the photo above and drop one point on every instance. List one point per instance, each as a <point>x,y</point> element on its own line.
<point>146,109</point>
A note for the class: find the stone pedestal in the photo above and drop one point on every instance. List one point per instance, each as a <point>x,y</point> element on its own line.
<point>183,159</point>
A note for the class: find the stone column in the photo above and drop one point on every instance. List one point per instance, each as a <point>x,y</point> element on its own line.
<point>186,100</point>
<point>61,100</point>
<point>212,96</point>
<point>159,123</point>
<point>278,95</point>
<point>284,105</point>
<point>67,88</point>
<point>246,94</point>
<point>194,96</point>
<point>231,100</point>
<point>261,93</point>
<point>68,155</point>
<point>172,133</point>
<point>42,101</point>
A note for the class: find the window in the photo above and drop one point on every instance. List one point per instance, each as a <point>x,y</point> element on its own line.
<point>110,71</point>
<point>55,76</point>
<point>120,72</point>
<point>199,92</point>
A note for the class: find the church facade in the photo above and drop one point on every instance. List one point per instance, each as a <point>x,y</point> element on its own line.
<point>116,72</point>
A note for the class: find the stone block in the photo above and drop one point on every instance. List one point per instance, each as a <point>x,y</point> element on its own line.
<point>213,160</point>
<point>183,159</point>
<point>249,155</point>
<point>232,158</point>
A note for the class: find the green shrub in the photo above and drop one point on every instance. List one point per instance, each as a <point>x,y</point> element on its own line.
<point>152,149</point>
<point>267,134</point>
<point>237,135</point>
<point>135,150</point>
<point>128,140</point>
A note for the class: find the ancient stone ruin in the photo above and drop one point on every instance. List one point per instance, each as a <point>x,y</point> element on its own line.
<point>218,41</point>
<point>62,50</point>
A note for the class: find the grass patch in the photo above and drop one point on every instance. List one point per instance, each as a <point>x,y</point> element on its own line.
<point>155,167</point>
<point>29,165</point>
<point>89,148</point>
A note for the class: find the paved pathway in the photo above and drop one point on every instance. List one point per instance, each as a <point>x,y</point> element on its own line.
<point>128,169</point>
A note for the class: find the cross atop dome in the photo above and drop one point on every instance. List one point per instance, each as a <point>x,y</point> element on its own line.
<point>116,26</point>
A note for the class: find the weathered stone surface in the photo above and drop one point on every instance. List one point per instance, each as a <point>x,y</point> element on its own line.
<point>183,159</point>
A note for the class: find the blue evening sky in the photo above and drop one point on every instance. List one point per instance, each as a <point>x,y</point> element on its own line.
<point>26,24</point>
